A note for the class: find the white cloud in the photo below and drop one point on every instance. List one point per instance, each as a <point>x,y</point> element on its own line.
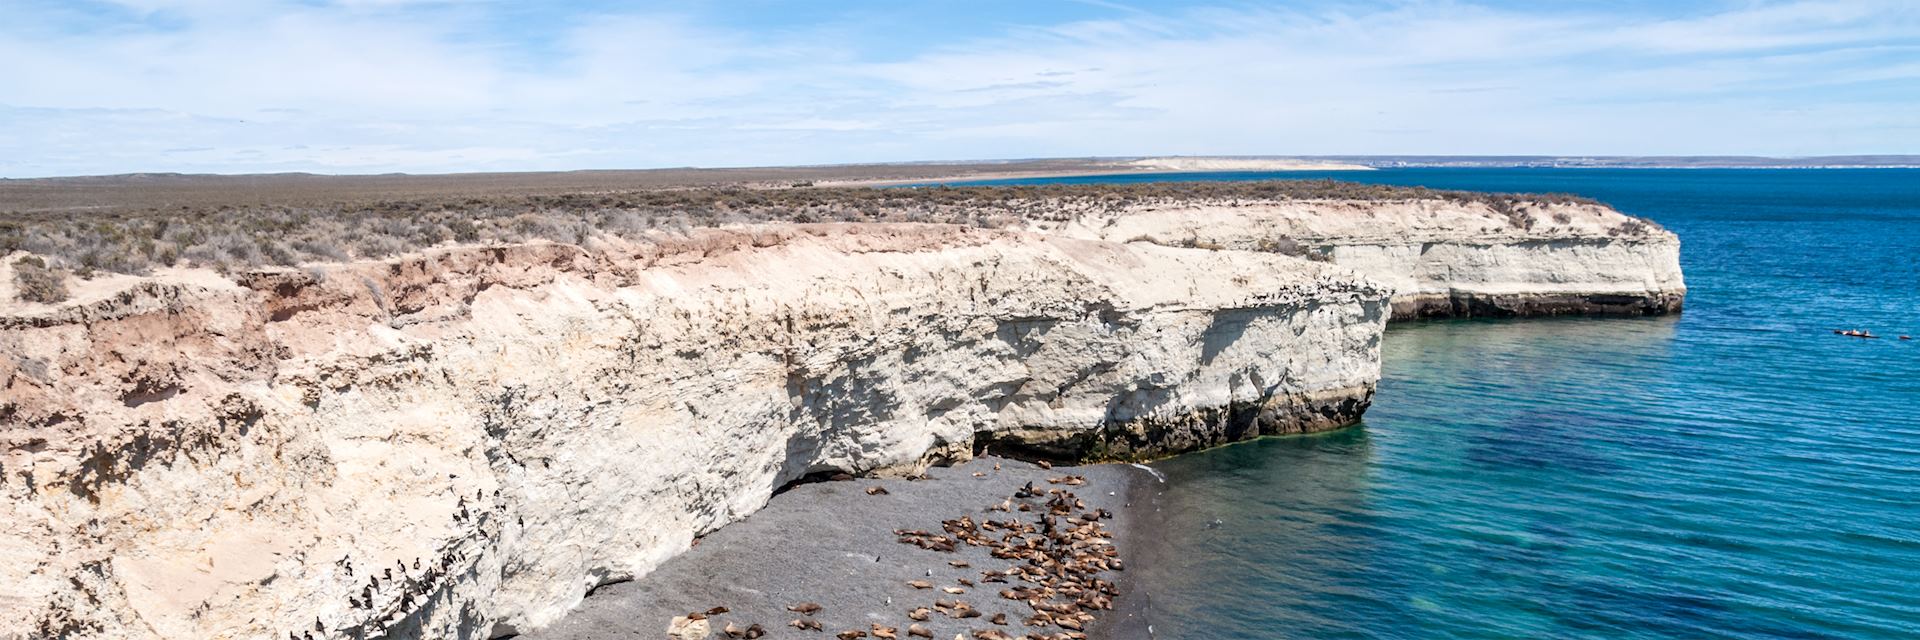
<point>239,63</point>
<point>424,85</point>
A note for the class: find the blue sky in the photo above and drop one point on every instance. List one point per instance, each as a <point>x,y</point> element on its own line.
<point>370,86</point>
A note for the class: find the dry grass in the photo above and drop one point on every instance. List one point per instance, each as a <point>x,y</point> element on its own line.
<point>131,240</point>
<point>35,282</point>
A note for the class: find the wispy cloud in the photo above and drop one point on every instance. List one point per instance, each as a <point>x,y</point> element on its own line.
<point>449,85</point>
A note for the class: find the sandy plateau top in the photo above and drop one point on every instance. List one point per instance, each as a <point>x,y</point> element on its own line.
<point>722,255</point>
<point>1335,221</point>
<point>229,225</point>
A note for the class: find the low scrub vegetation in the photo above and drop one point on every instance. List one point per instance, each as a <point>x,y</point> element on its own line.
<point>137,241</point>
<point>34,282</point>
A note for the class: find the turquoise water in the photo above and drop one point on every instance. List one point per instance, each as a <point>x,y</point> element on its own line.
<point>1735,472</point>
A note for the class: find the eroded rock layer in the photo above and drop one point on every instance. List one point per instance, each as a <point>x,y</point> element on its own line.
<point>462,444</point>
<point>1441,257</point>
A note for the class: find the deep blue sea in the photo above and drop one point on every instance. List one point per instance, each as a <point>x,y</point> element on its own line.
<point>1738,471</point>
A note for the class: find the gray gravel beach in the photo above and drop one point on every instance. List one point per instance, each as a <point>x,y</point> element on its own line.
<point>833,544</point>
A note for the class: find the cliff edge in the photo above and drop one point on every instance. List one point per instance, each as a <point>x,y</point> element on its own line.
<point>1441,257</point>
<point>463,443</point>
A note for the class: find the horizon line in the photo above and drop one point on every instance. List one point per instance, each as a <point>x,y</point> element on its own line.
<point>1834,161</point>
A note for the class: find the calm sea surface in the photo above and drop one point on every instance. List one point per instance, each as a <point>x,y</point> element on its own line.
<point>1735,472</point>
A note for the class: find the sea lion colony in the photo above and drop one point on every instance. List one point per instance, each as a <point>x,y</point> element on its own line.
<point>1060,556</point>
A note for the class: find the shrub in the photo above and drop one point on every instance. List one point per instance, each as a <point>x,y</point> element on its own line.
<point>1632,227</point>
<point>1283,246</point>
<point>135,241</point>
<point>37,283</point>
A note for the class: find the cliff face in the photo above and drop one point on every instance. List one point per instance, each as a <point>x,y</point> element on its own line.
<point>464,443</point>
<point>1442,258</point>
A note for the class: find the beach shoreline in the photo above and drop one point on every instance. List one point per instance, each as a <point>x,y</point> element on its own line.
<point>833,544</point>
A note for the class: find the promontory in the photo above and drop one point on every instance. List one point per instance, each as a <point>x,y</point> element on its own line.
<point>452,416</point>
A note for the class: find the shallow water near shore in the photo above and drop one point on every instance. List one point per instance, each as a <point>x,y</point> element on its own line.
<point>1738,471</point>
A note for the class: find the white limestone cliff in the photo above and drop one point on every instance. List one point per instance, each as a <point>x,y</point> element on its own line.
<point>491,432</point>
<point>191,455</point>
<point>1442,257</point>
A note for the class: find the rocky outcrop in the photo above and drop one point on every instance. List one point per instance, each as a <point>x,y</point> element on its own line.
<point>1443,257</point>
<point>463,443</point>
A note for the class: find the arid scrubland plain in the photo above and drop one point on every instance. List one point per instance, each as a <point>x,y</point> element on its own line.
<point>133,224</point>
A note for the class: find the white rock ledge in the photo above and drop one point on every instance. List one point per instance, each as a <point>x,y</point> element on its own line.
<point>1441,257</point>
<point>495,431</point>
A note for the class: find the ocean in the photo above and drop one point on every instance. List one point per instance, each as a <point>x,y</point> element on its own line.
<point>1737,471</point>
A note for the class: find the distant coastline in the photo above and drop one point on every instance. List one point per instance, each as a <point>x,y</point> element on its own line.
<point>137,191</point>
<point>1633,162</point>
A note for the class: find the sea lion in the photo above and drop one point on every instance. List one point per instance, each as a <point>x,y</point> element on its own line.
<point>920,614</point>
<point>919,631</point>
<point>876,491</point>
<point>805,624</point>
<point>805,608</point>
<point>885,633</point>
<point>919,584</point>
<point>850,635</point>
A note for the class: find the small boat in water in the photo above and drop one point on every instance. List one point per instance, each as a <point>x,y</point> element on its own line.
<point>1857,333</point>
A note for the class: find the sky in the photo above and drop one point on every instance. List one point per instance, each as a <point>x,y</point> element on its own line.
<point>433,86</point>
